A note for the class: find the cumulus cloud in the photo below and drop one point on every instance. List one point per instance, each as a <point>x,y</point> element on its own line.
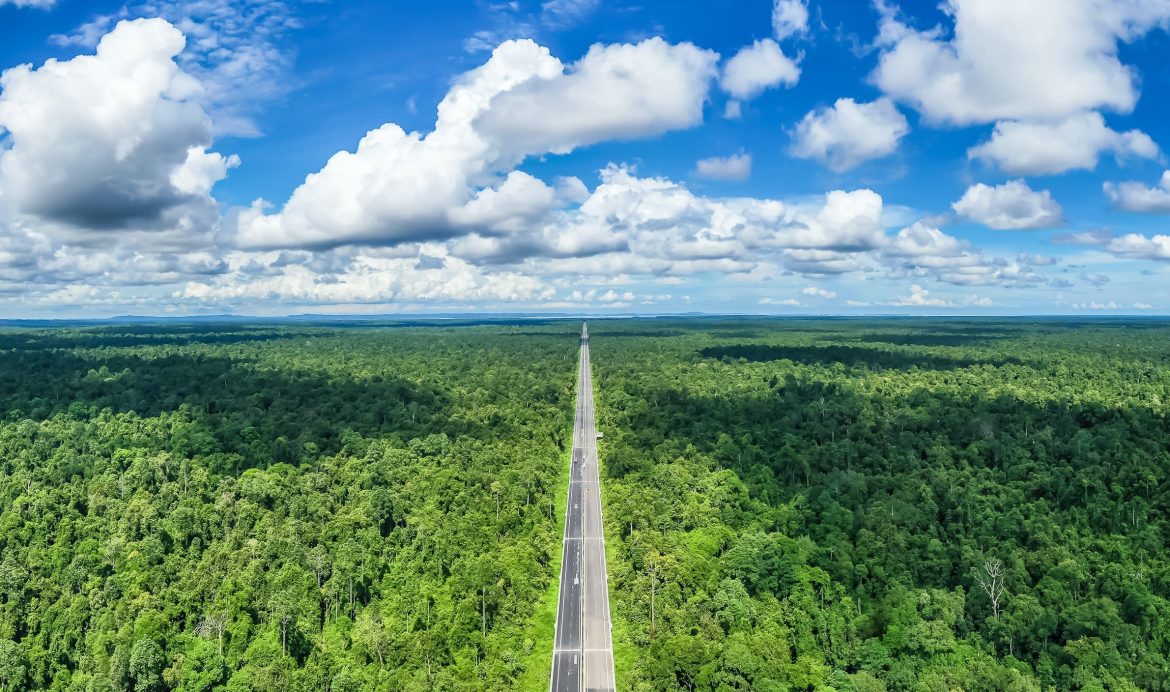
<point>106,175</point>
<point>111,141</point>
<point>921,250</point>
<point>444,217</point>
<point>1050,147</point>
<point>849,133</point>
<point>612,296</point>
<point>657,227</point>
<point>122,266</point>
<point>661,218</point>
<point>734,167</point>
<point>365,278</point>
<point>1133,196</point>
<point>235,48</point>
<point>615,92</point>
<point>518,201</point>
<point>1138,246</point>
<point>400,187</point>
<point>816,263</point>
<point>39,265</point>
<point>41,4</point>
<point>788,302</point>
<point>819,293</point>
<point>923,240</point>
<point>853,220</point>
<point>1011,206</point>
<point>756,68</point>
<point>920,297</point>
<point>1111,305</point>
<point>1010,60</point>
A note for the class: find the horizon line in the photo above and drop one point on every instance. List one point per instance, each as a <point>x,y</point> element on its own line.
<point>494,316</point>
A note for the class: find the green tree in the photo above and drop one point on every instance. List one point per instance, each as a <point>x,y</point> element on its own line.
<point>146,665</point>
<point>12,665</point>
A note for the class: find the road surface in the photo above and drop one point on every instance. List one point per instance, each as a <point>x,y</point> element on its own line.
<point>583,652</point>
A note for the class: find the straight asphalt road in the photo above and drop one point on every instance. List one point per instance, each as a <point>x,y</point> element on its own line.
<point>583,652</point>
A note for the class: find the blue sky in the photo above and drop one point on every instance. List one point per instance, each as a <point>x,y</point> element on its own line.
<point>786,156</point>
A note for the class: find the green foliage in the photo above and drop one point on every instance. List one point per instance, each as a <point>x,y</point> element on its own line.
<point>808,504</point>
<point>12,665</point>
<point>146,662</point>
<point>813,503</point>
<point>257,508</point>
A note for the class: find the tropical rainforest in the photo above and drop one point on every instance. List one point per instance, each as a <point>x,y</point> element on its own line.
<point>790,504</point>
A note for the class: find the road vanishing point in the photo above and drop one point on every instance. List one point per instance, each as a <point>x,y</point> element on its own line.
<point>583,649</point>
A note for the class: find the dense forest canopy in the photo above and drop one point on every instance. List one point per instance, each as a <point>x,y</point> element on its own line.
<point>278,508</point>
<point>790,504</point>
<point>894,504</point>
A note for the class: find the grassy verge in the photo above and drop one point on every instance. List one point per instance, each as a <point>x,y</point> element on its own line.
<point>623,650</point>
<point>623,653</point>
<point>542,630</point>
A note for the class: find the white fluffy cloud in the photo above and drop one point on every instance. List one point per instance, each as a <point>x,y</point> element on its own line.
<point>1011,60</point>
<point>660,218</point>
<point>849,133</point>
<point>237,50</point>
<point>1076,142</point>
<point>921,250</point>
<point>105,174</point>
<point>655,226</point>
<point>821,262</point>
<point>756,68</point>
<point>763,65</point>
<point>819,293</point>
<point>615,92</point>
<point>110,142</point>
<point>849,220</point>
<point>400,186</point>
<point>734,167</point>
<point>923,240</point>
<point>420,219</point>
<point>787,302</point>
<point>920,297</point>
<point>1111,305</point>
<point>518,201</point>
<point>1133,196</point>
<point>42,4</point>
<point>364,278</point>
<point>1137,246</point>
<point>1011,206</point>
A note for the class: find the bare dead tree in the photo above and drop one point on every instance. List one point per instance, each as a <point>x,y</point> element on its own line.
<point>213,626</point>
<point>992,583</point>
<point>319,563</point>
